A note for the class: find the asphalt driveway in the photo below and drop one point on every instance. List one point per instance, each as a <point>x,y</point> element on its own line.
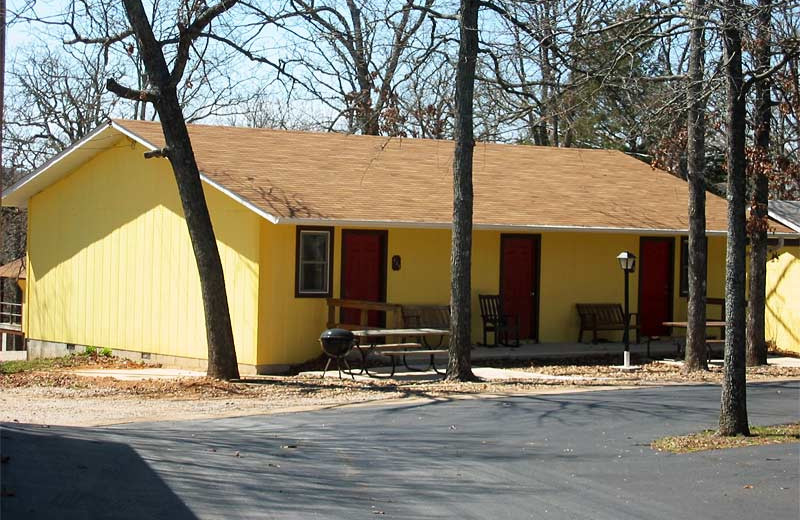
<point>570,456</point>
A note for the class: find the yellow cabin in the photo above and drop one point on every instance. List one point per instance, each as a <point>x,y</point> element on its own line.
<point>300,217</point>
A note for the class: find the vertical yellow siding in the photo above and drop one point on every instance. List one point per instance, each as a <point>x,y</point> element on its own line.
<point>575,267</point>
<point>580,268</point>
<point>783,300</point>
<point>110,262</point>
<point>715,283</point>
<point>288,326</point>
<point>424,277</point>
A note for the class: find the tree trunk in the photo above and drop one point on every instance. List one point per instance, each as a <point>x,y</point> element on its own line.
<point>2,91</point>
<point>733,405</point>
<point>459,366</point>
<point>698,246</point>
<point>222,361</point>
<point>756,338</point>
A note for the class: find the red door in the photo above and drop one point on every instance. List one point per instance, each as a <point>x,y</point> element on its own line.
<point>519,281</point>
<point>363,272</point>
<point>655,285</point>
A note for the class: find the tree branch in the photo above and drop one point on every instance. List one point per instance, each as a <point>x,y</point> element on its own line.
<point>148,96</point>
<point>189,34</point>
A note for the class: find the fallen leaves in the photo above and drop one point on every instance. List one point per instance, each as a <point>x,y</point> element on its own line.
<point>709,440</point>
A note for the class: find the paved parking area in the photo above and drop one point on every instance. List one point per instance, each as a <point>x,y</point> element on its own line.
<point>569,456</point>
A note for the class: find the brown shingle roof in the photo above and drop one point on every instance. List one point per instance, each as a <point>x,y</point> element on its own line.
<point>14,269</point>
<point>303,175</point>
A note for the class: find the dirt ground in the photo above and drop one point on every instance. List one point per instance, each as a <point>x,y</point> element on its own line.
<point>55,395</point>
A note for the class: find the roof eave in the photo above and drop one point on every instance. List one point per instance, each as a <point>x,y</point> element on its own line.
<point>57,167</point>
<point>496,227</point>
<point>786,222</point>
<point>19,193</point>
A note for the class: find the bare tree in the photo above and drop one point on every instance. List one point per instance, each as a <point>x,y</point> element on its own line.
<point>696,132</point>
<point>582,73</point>
<point>758,168</point>
<point>349,57</point>
<point>459,367</point>
<point>59,97</point>
<point>12,220</point>
<point>733,409</point>
<point>163,94</point>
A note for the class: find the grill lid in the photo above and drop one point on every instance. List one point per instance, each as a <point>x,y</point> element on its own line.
<point>339,334</point>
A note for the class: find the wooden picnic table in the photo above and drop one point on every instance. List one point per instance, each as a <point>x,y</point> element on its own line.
<point>368,343</point>
<point>680,345</point>
<point>684,324</point>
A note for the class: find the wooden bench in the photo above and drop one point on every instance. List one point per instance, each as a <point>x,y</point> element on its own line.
<point>391,313</point>
<point>427,316</point>
<point>598,317</point>
<point>496,321</point>
<point>711,343</point>
<point>721,303</point>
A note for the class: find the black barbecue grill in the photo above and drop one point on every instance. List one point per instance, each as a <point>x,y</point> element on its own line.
<point>337,343</point>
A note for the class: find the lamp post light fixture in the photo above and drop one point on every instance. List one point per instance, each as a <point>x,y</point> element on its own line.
<point>627,261</point>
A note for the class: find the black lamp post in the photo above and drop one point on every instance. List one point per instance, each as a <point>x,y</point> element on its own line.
<point>627,261</point>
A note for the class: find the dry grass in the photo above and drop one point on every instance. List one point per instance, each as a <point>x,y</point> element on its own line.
<point>58,374</point>
<point>604,371</point>
<point>709,440</point>
<point>73,361</point>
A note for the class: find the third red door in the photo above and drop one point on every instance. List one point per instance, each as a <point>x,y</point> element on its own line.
<point>655,284</point>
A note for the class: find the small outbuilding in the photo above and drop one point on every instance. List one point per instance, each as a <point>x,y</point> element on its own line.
<point>783,280</point>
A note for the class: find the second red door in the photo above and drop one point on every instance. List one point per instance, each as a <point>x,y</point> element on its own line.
<point>519,281</point>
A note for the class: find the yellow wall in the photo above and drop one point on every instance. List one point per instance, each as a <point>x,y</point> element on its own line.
<point>110,262</point>
<point>783,300</point>
<point>424,277</point>
<point>288,326</point>
<point>715,283</point>
<point>575,267</point>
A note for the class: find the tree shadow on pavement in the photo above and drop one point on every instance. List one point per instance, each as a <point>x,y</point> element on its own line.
<point>49,474</point>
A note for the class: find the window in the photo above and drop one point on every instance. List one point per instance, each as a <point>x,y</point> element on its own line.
<point>314,268</point>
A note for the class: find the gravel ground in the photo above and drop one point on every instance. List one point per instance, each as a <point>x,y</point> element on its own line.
<point>58,396</point>
<point>70,407</point>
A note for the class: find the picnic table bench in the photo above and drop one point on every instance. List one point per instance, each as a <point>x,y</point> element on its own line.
<point>680,343</point>
<point>596,317</point>
<point>368,345</point>
<point>428,317</point>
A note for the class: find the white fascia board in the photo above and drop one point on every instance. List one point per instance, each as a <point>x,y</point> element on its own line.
<point>495,227</point>
<point>203,177</point>
<point>235,196</point>
<point>49,166</point>
<point>241,200</point>
<point>786,222</point>
<point>124,131</point>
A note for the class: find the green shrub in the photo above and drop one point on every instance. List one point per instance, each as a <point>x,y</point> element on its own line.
<point>105,352</point>
<point>90,351</point>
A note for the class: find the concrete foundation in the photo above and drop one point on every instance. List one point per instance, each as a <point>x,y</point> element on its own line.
<point>38,348</point>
